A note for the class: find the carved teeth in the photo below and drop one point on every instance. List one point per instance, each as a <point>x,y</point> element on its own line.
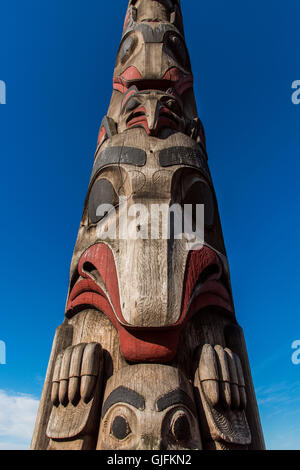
<point>208,374</point>
<point>225,376</point>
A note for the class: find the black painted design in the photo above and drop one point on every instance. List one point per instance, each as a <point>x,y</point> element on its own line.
<point>102,193</point>
<point>180,428</point>
<point>127,48</point>
<point>183,156</point>
<point>174,46</point>
<point>120,428</point>
<point>125,155</point>
<point>200,193</point>
<point>123,395</point>
<point>109,126</point>
<point>176,397</point>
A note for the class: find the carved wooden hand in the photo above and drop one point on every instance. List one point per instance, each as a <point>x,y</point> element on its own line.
<point>76,387</point>
<point>222,398</point>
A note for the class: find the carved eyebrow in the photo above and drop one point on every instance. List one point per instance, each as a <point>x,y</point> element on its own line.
<point>176,397</point>
<point>119,155</point>
<point>184,156</point>
<point>123,395</point>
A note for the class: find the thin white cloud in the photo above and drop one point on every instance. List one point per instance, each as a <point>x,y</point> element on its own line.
<point>17,417</point>
<point>279,405</point>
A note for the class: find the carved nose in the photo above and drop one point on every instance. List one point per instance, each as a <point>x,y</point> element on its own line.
<point>149,442</point>
<point>152,110</point>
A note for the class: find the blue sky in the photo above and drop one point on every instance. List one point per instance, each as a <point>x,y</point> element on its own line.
<point>57,59</point>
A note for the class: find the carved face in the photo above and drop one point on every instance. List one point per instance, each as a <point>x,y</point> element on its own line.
<point>153,11</point>
<point>159,113</point>
<point>169,283</point>
<point>167,63</point>
<point>138,415</point>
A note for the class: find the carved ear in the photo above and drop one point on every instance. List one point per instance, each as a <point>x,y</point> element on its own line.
<point>221,397</point>
<point>107,130</point>
<point>76,390</point>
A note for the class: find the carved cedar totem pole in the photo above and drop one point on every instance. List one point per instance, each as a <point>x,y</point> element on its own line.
<point>150,355</point>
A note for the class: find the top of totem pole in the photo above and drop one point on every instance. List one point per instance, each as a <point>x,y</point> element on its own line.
<point>153,56</point>
<point>153,11</point>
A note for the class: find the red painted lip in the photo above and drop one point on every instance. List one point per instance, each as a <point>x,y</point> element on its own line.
<point>84,286</point>
<point>88,292</point>
<point>211,293</point>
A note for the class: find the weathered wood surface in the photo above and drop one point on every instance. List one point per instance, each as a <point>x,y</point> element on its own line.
<point>149,406</point>
<point>150,354</point>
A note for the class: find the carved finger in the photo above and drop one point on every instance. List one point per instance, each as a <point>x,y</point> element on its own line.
<point>225,392</point>
<point>64,376</point>
<point>234,387</point>
<point>208,374</point>
<point>241,382</point>
<point>90,368</point>
<point>55,380</point>
<point>74,375</point>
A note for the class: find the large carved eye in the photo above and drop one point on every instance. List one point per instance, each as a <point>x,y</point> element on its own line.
<point>120,428</point>
<point>200,193</point>
<point>102,193</point>
<point>127,48</point>
<point>180,428</point>
<point>176,47</point>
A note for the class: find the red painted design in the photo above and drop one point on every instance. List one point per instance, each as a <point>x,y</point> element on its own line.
<point>131,74</point>
<point>126,22</point>
<point>101,136</point>
<point>172,78</point>
<point>145,344</point>
<point>162,122</point>
<point>212,292</point>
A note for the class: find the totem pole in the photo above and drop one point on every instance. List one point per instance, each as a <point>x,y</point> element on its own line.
<point>150,355</point>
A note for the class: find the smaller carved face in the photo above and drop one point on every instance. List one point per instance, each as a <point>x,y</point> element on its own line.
<point>153,58</point>
<point>148,407</point>
<point>157,112</point>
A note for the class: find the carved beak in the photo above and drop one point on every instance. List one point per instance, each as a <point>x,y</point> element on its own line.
<point>152,107</point>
